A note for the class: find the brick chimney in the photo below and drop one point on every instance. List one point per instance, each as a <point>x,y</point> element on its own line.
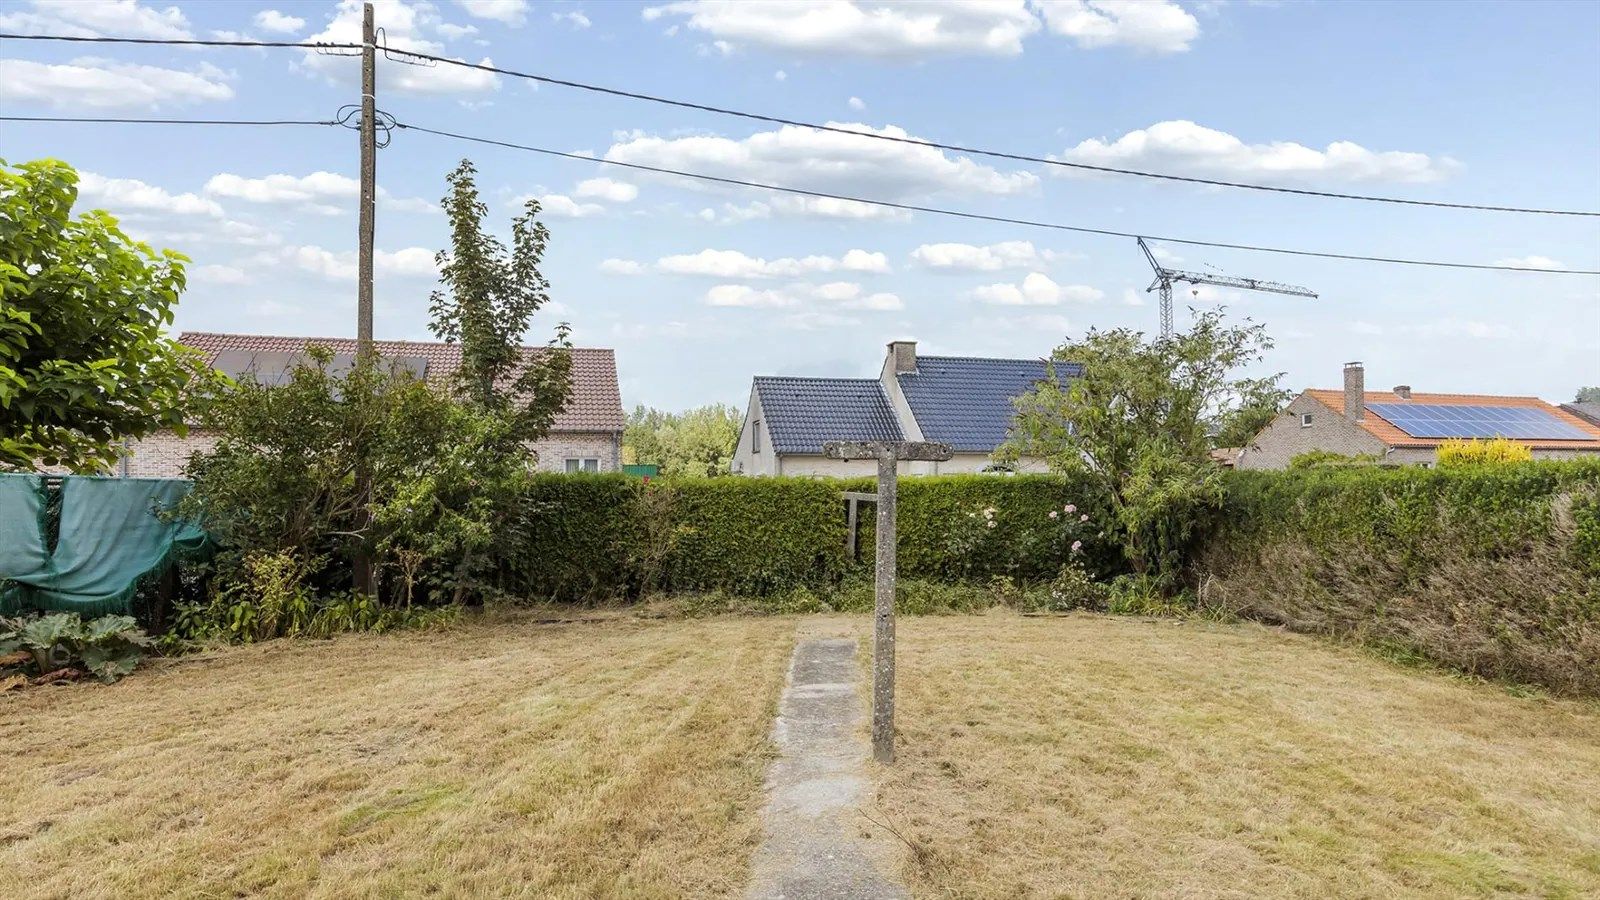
<point>1403,391</point>
<point>904,354</point>
<point>1355,391</point>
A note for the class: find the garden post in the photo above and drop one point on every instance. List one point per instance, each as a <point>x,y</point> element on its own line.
<point>888,455</point>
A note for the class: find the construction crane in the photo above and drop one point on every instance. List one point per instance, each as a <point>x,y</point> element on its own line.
<point>1165,277</point>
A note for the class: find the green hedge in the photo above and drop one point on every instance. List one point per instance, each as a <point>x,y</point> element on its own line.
<point>587,537</point>
<point>1493,569</point>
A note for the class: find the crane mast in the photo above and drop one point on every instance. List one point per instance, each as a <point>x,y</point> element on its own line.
<point>1166,277</point>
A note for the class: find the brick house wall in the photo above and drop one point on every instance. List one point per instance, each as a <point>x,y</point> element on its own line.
<point>556,448</point>
<point>1285,438</point>
<point>164,454</point>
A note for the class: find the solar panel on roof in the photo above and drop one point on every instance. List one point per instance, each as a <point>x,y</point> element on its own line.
<point>1434,420</point>
<point>272,367</point>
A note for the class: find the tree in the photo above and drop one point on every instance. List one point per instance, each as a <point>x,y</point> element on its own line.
<point>1588,395</point>
<point>83,360</point>
<point>697,442</point>
<point>1137,423</point>
<point>491,295</point>
<point>281,478</point>
<point>1238,425</point>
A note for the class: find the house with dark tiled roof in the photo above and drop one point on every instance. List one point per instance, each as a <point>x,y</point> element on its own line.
<point>1406,427</point>
<point>586,435</point>
<point>1587,410</point>
<point>966,402</point>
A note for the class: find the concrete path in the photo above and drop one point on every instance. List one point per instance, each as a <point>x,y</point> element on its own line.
<point>816,844</point>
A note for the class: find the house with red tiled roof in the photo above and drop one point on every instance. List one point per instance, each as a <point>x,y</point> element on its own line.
<point>1406,427</point>
<point>586,435</point>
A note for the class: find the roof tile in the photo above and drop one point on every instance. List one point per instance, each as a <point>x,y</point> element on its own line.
<point>1392,436</point>
<point>967,402</point>
<point>595,404</point>
<point>802,413</point>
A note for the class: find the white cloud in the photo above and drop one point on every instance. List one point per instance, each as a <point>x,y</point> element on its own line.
<point>572,17</point>
<point>454,32</point>
<point>561,206</point>
<point>1131,297</point>
<point>406,26</point>
<point>828,162</point>
<point>1160,26</point>
<point>102,84</point>
<point>747,296</point>
<point>272,20</point>
<point>326,193</point>
<point>866,28</point>
<point>990,258</point>
<point>606,189</point>
<point>862,261</point>
<point>622,266</point>
<point>832,295</point>
<point>120,195</point>
<point>734,264</point>
<point>228,232</point>
<point>857,104</point>
<point>1036,290</point>
<point>218,274</point>
<point>810,208</point>
<point>412,262</point>
<point>1531,262</point>
<point>780,75</point>
<point>1182,147</point>
<point>98,18</point>
<point>510,12</point>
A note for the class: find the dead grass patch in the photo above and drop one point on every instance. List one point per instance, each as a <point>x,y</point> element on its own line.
<point>504,758</point>
<point>1096,757</point>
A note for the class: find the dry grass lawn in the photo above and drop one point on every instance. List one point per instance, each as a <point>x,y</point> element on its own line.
<point>579,760</point>
<point>1100,757</point>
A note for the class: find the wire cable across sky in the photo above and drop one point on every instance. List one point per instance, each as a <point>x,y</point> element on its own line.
<point>960,214</point>
<point>394,52</point>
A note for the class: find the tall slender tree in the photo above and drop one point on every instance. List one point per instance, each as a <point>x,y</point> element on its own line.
<point>489,297</point>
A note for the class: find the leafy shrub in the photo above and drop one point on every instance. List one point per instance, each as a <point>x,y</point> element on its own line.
<point>282,478</point>
<point>1317,459</point>
<point>1074,588</point>
<point>271,599</point>
<point>594,537</point>
<point>108,647</point>
<point>1495,451</point>
<point>1490,569</point>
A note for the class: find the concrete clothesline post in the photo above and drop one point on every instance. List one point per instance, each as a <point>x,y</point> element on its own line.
<point>888,455</point>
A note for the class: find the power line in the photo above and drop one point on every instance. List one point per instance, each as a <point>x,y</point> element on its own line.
<point>97,120</point>
<point>393,52</point>
<point>960,214</point>
<point>179,42</point>
<point>976,151</point>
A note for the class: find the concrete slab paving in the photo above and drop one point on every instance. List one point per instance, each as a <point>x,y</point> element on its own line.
<point>816,845</point>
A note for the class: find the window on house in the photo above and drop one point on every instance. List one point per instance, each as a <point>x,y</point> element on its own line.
<point>1305,420</point>
<point>755,436</point>
<point>583,464</point>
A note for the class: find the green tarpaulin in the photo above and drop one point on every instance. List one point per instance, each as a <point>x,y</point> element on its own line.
<point>110,538</point>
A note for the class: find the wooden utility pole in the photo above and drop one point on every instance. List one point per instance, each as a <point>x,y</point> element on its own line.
<point>363,572</point>
<point>888,455</point>
<point>369,181</point>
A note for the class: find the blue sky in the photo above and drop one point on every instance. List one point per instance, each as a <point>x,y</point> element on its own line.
<point>700,287</point>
